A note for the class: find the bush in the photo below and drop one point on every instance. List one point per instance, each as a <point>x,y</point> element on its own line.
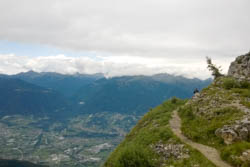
<point>244,85</point>
<point>229,83</point>
<point>135,156</point>
<point>174,100</point>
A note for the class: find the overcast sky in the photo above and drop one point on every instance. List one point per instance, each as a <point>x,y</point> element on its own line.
<point>122,37</point>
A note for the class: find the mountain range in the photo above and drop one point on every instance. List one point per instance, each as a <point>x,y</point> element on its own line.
<point>20,97</point>
<point>77,120</point>
<point>65,84</point>
<point>51,93</point>
<point>134,94</point>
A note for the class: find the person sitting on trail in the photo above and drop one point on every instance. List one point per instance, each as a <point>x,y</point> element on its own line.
<point>196,91</point>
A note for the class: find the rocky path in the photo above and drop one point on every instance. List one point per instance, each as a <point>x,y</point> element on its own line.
<point>211,153</point>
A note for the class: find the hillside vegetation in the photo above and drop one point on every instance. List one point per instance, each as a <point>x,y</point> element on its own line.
<point>144,145</point>
<point>211,117</point>
<point>217,118</point>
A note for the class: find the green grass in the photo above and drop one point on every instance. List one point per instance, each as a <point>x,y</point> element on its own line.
<point>236,149</point>
<point>242,92</point>
<point>229,83</point>
<point>135,156</point>
<point>202,128</point>
<point>136,151</point>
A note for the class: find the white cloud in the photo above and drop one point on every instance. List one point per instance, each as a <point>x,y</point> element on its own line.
<point>110,66</point>
<point>165,28</point>
<point>129,36</point>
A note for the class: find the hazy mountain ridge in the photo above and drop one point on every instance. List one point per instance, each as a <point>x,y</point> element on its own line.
<point>135,94</point>
<point>20,97</point>
<point>65,84</point>
<point>94,93</point>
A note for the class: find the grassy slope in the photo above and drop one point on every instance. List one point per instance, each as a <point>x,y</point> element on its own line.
<point>201,126</point>
<point>136,151</point>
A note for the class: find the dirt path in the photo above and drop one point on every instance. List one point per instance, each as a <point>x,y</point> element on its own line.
<point>209,152</point>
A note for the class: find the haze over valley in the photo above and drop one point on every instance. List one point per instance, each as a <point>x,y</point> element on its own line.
<point>77,120</point>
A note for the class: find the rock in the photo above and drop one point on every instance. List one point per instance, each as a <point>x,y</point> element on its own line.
<point>228,134</point>
<point>240,68</point>
<point>243,133</point>
<point>239,131</point>
<point>245,123</point>
<point>245,156</point>
<point>176,151</point>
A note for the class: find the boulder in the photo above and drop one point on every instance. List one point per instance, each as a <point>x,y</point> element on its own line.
<point>240,131</point>
<point>228,134</point>
<point>240,68</point>
<point>245,156</point>
<point>243,133</point>
<point>176,151</point>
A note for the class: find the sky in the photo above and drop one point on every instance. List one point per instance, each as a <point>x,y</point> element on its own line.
<point>118,37</point>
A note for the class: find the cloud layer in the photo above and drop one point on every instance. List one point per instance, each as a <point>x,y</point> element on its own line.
<point>110,66</point>
<point>141,27</point>
<point>170,31</point>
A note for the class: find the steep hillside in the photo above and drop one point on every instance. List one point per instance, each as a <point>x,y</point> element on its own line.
<point>215,121</point>
<point>134,94</point>
<point>151,143</point>
<point>20,97</point>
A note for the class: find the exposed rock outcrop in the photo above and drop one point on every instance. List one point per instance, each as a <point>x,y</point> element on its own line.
<point>236,132</point>
<point>176,151</point>
<point>240,68</point>
<point>240,130</point>
<point>245,156</point>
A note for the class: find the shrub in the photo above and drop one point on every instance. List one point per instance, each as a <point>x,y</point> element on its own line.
<point>135,156</point>
<point>229,83</point>
<point>174,100</point>
<point>244,84</point>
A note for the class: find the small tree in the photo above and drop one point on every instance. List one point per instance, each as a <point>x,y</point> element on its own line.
<point>216,71</point>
